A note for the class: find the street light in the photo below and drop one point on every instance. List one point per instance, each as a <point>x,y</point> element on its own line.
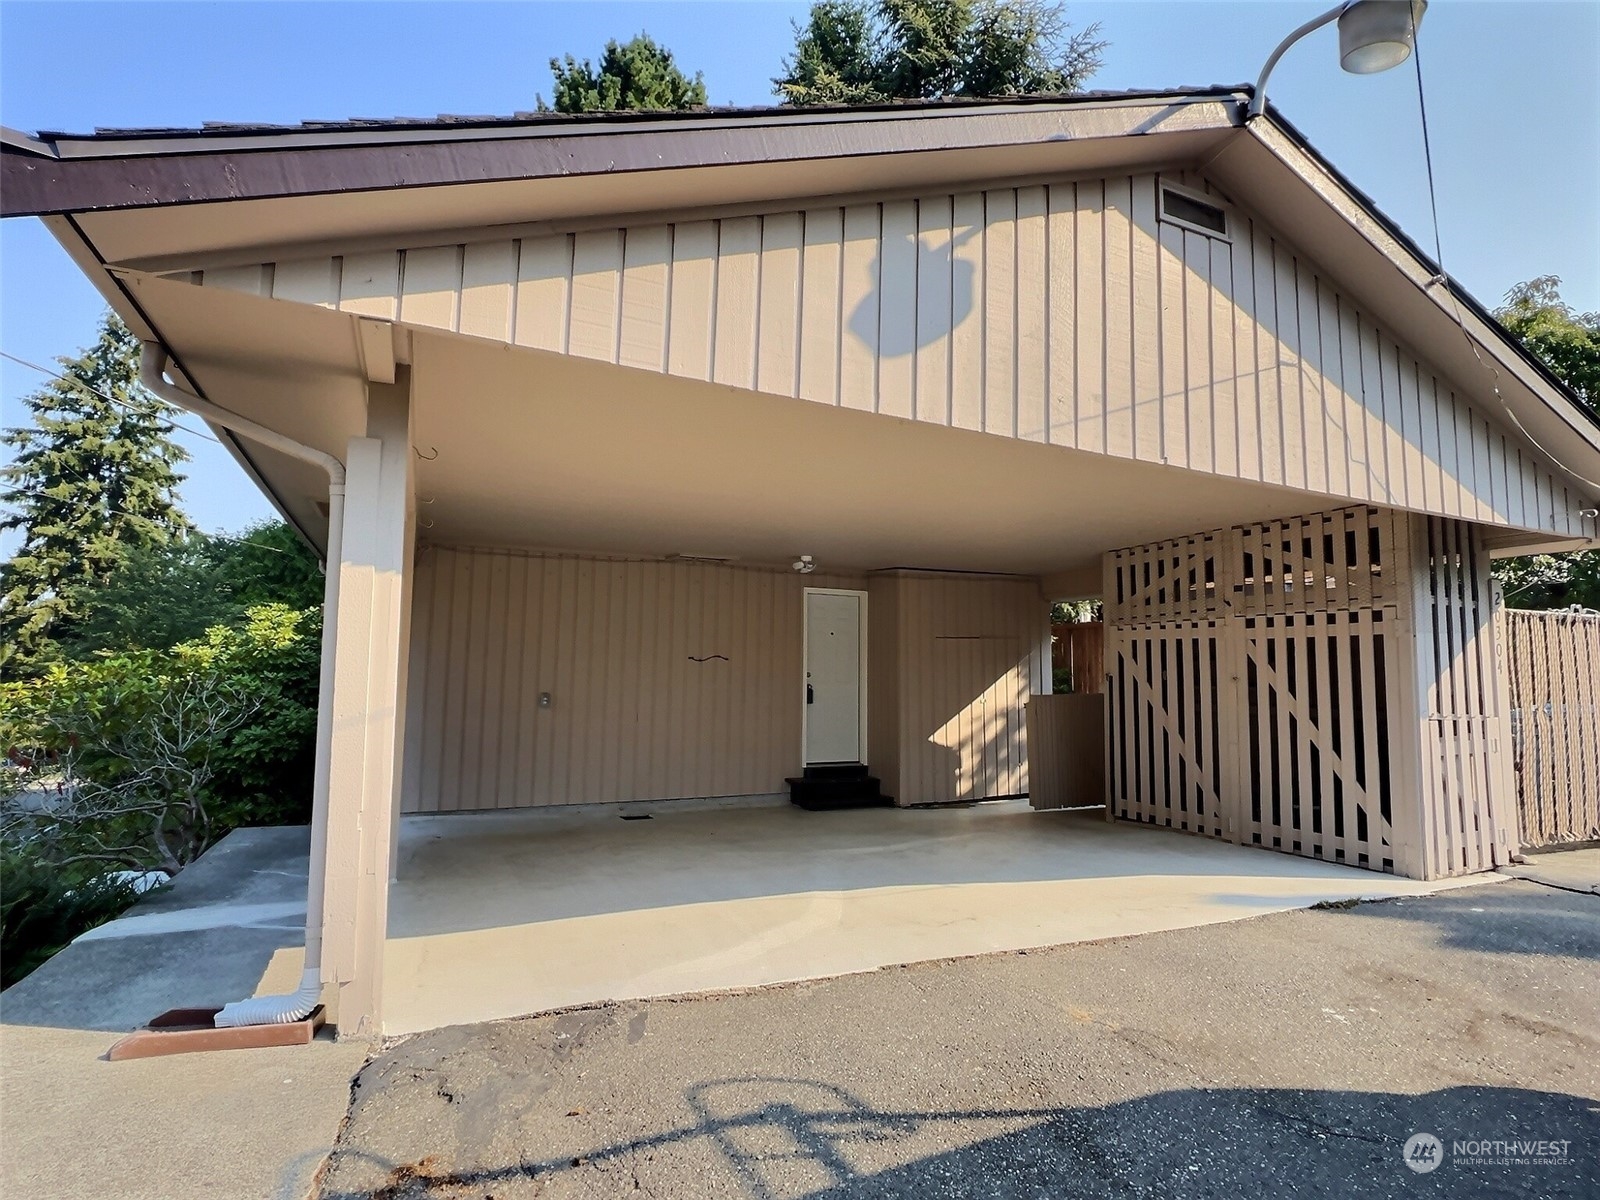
<point>1374,35</point>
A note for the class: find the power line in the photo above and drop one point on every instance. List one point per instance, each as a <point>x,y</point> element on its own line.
<point>38,494</point>
<point>1427,148</point>
<point>129,404</point>
<point>1443,279</point>
<point>147,411</point>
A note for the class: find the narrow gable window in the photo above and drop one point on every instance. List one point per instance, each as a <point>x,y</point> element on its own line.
<point>1192,210</point>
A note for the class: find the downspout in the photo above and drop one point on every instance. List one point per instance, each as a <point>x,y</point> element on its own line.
<point>281,1010</point>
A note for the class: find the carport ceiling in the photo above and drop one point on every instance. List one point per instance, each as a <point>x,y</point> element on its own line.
<point>522,448</point>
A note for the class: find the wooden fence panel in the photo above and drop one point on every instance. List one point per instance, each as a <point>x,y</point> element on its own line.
<point>1248,681</point>
<point>1316,736</point>
<point>1164,741</point>
<point>1080,648</point>
<point>1553,677</point>
<point>1181,579</point>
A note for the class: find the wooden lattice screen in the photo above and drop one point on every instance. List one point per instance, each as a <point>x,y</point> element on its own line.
<point>1553,675</point>
<point>1260,678</point>
<point>1163,736</point>
<point>1317,732</point>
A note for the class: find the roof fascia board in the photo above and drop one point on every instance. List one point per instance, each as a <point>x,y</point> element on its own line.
<point>30,185</point>
<point>1317,173</point>
<point>467,235</point>
<point>1412,252</point>
<point>81,250</point>
<point>1515,544</point>
<point>18,142</point>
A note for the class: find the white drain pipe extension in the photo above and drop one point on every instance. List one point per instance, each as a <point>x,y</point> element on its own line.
<point>281,1010</point>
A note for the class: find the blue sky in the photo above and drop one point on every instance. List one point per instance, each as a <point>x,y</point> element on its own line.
<point>1513,104</point>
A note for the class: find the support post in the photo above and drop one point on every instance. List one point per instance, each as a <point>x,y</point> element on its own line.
<point>369,706</point>
<point>1413,830</point>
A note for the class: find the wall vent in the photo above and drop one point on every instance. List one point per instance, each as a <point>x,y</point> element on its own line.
<point>1193,210</point>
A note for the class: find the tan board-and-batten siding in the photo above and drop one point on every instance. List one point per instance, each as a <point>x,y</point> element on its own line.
<point>678,679</point>
<point>666,680</point>
<point>1065,313</point>
<point>954,660</point>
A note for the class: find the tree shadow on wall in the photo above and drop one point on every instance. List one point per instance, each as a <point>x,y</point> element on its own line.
<point>920,326</point>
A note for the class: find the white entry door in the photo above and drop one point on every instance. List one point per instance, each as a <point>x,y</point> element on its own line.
<point>835,699</point>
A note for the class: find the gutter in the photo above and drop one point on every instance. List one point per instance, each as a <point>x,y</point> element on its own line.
<point>296,1006</point>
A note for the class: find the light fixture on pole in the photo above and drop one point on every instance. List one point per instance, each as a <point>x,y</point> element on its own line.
<point>1374,35</point>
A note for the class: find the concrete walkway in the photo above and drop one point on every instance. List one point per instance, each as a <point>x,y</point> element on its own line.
<point>242,1125</point>
<point>500,914</point>
<point>1574,870</point>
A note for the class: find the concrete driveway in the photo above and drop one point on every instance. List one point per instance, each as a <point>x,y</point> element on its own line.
<point>1291,1054</point>
<point>502,914</point>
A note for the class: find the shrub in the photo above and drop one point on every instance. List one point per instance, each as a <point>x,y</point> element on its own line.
<point>160,753</point>
<point>44,906</point>
<point>263,768</point>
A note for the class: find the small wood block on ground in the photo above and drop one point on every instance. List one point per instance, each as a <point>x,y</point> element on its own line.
<point>190,1030</point>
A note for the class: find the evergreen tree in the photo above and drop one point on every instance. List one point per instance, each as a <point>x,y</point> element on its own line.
<point>865,51</point>
<point>638,75</point>
<point>94,475</point>
<point>836,58</point>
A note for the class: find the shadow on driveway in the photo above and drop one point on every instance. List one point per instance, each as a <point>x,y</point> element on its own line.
<point>797,1138</point>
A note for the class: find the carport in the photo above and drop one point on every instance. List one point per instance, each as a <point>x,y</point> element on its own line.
<point>661,459</point>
